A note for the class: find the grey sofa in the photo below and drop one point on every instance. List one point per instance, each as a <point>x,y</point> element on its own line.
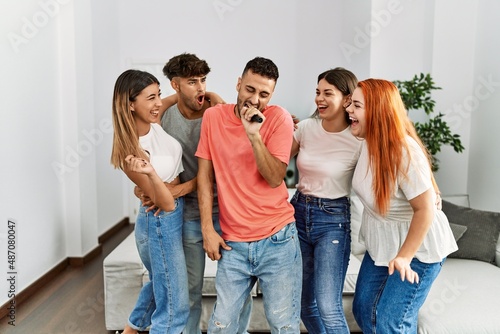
<point>464,299</point>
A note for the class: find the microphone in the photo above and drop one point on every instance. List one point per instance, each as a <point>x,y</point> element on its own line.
<point>255,118</point>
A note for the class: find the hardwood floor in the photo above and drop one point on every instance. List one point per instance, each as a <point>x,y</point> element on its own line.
<point>71,304</point>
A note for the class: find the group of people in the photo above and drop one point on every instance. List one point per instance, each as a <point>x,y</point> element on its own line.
<point>210,178</point>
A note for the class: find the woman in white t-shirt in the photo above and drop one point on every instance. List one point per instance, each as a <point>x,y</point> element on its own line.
<point>150,158</point>
<point>327,155</point>
<point>402,228</point>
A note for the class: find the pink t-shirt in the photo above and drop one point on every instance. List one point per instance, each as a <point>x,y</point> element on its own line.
<point>249,208</point>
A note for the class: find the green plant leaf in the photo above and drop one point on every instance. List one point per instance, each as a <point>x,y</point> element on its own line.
<point>417,95</point>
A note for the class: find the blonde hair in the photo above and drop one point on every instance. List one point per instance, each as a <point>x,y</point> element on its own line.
<point>125,137</point>
<point>387,125</point>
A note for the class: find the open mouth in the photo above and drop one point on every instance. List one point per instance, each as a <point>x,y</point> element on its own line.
<point>353,120</point>
<point>201,99</point>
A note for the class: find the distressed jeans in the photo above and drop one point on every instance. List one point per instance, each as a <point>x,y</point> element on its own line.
<point>276,263</point>
<point>324,228</point>
<point>195,262</point>
<point>163,302</point>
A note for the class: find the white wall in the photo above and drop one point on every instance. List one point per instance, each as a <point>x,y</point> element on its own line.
<point>480,108</point>
<point>402,35</point>
<point>31,140</point>
<point>78,179</point>
<point>456,79</point>
<point>58,81</point>
<point>112,202</point>
<point>436,37</point>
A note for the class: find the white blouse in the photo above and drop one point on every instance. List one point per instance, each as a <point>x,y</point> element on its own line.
<point>383,236</point>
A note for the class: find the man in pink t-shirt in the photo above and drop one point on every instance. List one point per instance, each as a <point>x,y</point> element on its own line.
<point>259,238</point>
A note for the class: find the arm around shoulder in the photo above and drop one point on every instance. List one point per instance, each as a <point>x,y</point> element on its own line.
<point>214,98</point>
<point>166,103</point>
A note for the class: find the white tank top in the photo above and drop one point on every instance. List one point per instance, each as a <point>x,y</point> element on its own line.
<point>165,152</point>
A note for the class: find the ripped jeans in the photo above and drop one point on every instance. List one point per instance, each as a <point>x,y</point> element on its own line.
<point>192,240</point>
<point>277,263</point>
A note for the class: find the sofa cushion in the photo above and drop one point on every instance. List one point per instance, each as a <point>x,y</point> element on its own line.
<point>498,252</point>
<point>209,279</point>
<point>357,248</point>
<point>464,298</point>
<point>458,230</point>
<point>479,242</point>
<point>352,274</point>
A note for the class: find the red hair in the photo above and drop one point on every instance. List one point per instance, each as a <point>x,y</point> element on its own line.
<point>387,125</point>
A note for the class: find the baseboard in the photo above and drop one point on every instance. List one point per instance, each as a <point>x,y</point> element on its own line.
<point>80,261</point>
<point>112,231</point>
<point>34,287</point>
<point>61,266</point>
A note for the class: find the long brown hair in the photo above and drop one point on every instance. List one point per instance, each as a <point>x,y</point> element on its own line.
<point>387,125</point>
<point>344,80</point>
<point>125,138</point>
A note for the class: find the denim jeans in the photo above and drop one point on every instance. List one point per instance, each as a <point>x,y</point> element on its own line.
<point>276,263</point>
<point>195,262</point>
<point>324,227</point>
<point>163,302</point>
<point>385,304</point>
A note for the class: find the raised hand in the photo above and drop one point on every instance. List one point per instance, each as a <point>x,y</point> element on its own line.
<point>139,165</point>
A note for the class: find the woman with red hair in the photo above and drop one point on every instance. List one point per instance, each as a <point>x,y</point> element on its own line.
<point>402,227</point>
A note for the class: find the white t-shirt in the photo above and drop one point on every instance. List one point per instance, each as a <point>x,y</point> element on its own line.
<point>383,236</point>
<point>165,152</point>
<point>326,160</point>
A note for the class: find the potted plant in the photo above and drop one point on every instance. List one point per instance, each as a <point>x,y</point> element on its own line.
<point>416,95</point>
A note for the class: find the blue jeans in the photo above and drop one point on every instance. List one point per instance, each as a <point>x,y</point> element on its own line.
<point>163,302</point>
<point>276,263</point>
<point>195,262</point>
<point>385,304</point>
<point>324,227</point>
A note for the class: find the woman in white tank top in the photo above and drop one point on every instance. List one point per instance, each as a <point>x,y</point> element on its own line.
<point>150,157</point>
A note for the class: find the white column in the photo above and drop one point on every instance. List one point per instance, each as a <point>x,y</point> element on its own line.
<point>78,128</point>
